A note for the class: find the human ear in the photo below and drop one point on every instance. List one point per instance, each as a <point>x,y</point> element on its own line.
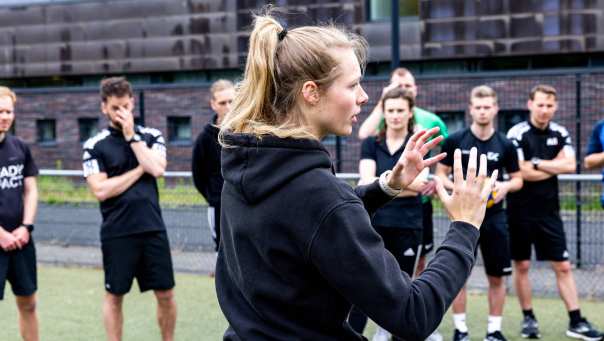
<point>310,92</point>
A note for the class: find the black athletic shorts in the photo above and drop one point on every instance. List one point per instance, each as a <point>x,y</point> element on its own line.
<point>403,244</point>
<point>545,232</point>
<point>428,230</point>
<point>18,267</point>
<point>144,256</point>
<point>495,245</point>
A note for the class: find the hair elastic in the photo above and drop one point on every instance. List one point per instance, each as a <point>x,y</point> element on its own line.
<point>282,34</point>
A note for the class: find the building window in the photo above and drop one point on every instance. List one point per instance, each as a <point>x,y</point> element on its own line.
<point>88,128</point>
<point>179,130</point>
<point>46,131</point>
<point>454,120</point>
<point>509,118</point>
<point>381,9</point>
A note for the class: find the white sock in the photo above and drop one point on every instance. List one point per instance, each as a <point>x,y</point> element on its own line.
<point>494,324</point>
<point>459,320</point>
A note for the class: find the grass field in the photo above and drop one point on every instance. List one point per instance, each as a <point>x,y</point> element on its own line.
<point>70,309</point>
<point>64,190</point>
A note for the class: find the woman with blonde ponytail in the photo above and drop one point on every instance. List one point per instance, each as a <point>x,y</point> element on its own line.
<point>297,246</point>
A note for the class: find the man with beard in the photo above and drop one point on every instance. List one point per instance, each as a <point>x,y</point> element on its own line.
<point>544,151</point>
<point>121,164</point>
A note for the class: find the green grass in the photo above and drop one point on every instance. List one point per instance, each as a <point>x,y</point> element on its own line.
<point>70,309</point>
<point>63,190</point>
<point>550,312</point>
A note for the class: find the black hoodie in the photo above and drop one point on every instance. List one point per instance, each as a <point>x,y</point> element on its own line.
<point>205,164</point>
<point>298,249</point>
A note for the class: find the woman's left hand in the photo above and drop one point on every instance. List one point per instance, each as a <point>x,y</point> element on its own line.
<point>411,162</point>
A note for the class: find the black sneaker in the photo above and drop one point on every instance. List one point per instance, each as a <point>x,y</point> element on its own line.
<point>530,328</point>
<point>584,331</point>
<point>495,336</point>
<point>459,336</point>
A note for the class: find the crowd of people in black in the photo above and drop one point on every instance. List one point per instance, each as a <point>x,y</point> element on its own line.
<point>301,255</point>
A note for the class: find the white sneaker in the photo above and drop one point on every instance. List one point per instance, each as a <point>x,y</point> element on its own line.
<point>435,336</point>
<point>381,334</point>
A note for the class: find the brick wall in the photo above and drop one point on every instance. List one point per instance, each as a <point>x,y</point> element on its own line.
<point>437,95</point>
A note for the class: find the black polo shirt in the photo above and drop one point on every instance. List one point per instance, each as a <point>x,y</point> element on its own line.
<point>137,209</point>
<point>403,212</point>
<point>500,152</point>
<point>538,197</point>
<point>16,164</point>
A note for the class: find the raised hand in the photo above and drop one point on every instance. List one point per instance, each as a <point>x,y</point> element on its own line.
<point>390,87</point>
<point>468,202</point>
<point>126,120</point>
<point>412,162</point>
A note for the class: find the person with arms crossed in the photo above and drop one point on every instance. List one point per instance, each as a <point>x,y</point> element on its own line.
<point>298,248</point>
<point>205,164</point>
<point>595,152</point>
<point>494,235</point>
<point>544,151</point>
<point>121,164</point>
<point>18,204</point>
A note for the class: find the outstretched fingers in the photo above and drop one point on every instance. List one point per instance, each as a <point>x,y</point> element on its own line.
<point>443,195</point>
<point>421,141</point>
<point>433,160</point>
<point>488,185</point>
<point>430,145</point>
<point>471,171</point>
<point>457,168</point>
<point>416,136</point>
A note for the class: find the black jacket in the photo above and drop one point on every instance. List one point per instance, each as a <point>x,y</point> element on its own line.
<point>205,164</point>
<point>298,249</point>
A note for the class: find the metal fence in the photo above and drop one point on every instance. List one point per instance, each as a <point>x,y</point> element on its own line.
<point>68,224</point>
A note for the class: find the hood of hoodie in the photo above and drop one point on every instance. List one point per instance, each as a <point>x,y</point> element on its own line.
<point>258,167</point>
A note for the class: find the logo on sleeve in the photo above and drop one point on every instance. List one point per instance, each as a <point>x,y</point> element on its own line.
<point>552,141</point>
<point>91,167</point>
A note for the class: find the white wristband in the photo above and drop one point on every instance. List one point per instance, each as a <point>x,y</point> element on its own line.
<point>383,182</point>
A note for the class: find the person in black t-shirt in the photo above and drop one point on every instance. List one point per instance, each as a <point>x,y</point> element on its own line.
<point>494,236</point>
<point>398,222</point>
<point>121,164</point>
<point>544,151</point>
<point>18,204</point>
<point>205,164</point>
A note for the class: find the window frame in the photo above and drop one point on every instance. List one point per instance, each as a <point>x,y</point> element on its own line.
<point>173,138</point>
<point>368,14</point>
<point>89,119</point>
<point>39,123</point>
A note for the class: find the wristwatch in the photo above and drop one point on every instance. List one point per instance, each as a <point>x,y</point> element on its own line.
<point>29,227</point>
<point>135,138</point>
<point>535,161</point>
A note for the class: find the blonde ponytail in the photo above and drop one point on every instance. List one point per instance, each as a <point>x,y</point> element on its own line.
<point>265,101</point>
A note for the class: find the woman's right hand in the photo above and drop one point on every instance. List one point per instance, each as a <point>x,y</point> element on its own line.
<point>468,202</point>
